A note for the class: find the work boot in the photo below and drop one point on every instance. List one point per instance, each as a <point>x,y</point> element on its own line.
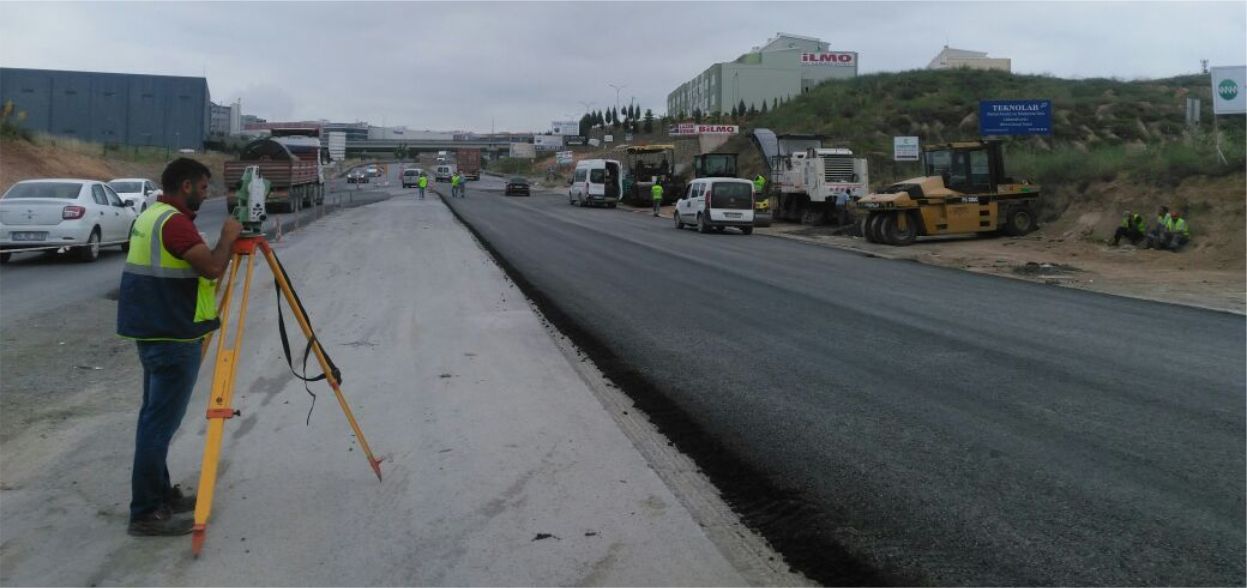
<point>160,523</point>
<point>178,502</point>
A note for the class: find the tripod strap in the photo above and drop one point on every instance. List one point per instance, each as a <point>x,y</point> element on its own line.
<point>285,340</point>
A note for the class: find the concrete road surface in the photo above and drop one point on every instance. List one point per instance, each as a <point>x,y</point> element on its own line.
<point>913,424</point>
<point>501,467</point>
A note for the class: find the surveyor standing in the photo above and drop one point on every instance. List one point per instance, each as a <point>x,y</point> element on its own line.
<point>1132,228</point>
<point>454,185</point>
<point>422,183</point>
<point>655,195</point>
<point>167,304</point>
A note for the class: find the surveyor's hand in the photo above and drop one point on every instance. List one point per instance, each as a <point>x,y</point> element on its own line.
<point>231,229</point>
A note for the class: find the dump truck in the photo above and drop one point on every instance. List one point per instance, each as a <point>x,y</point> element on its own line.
<point>469,161</point>
<point>964,191</point>
<point>295,181</point>
<point>647,164</point>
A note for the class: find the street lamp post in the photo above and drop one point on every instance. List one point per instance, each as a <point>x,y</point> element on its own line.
<point>617,90</point>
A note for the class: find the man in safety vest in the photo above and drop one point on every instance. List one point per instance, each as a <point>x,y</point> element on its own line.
<point>655,194</point>
<point>422,183</point>
<point>1132,228</point>
<point>454,185</point>
<point>1179,233</point>
<point>462,183</point>
<point>1156,236</point>
<point>759,184</point>
<point>167,304</point>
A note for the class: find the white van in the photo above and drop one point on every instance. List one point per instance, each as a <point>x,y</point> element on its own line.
<point>596,182</point>
<point>716,203</point>
<point>444,172</point>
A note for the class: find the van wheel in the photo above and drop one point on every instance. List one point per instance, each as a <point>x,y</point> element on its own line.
<point>892,232</point>
<point>1019,221</point>
<point>702,227</point>
<point>4,256</point>
<point>611,205</point>
<point>679,224</point>
<point>746,230</point>
<point>570,201</point>
<point>91,251</point>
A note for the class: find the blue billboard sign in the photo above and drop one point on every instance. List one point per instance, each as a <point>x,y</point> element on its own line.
<point>1015,117</point>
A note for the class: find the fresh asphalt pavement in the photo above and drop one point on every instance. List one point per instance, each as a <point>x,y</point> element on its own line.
<point>939,427</point>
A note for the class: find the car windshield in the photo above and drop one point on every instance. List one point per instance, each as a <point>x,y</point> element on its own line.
<point>126,187</point>
<point>64,190</point>
<point>411,172</point>
<point>731,195</point>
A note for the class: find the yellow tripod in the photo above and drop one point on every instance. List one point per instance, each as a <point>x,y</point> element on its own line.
<point>219,403</point>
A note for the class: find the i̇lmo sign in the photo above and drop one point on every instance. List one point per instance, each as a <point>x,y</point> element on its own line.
<point>839,58</point>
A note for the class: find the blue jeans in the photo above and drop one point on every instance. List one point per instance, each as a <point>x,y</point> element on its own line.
<point>169,373</point>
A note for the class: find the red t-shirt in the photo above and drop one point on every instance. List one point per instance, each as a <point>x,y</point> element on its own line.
<point>179,232</point>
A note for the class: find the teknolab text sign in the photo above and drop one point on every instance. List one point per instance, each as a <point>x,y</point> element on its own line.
<point>1229,89</point>
<point>1015,117</point>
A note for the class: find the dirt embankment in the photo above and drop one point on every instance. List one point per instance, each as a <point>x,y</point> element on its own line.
<point>1073,250</point>
<point>50,158</point>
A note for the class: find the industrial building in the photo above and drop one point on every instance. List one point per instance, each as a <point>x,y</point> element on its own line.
<point>225,120</point>
<point>951,58</point>
<point>787,65</point>
<point>111,108</point>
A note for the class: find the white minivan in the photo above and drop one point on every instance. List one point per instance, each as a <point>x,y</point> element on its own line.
<point>595,182</point>
<point>716,203</point>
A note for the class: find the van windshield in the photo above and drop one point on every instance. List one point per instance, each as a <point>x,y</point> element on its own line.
<point>731,195</point>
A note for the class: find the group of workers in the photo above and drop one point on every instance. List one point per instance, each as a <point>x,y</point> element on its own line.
<point>1169,230</point>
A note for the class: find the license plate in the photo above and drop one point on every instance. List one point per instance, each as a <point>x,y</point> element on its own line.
<point>732,214</point>
<point>29,236</point>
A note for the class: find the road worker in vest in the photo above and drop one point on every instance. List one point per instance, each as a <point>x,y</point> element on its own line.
<point>759,184</point>
<point>1179,233</point>
<point>1133,228</point>
<point>167,304</point>
<point>655,194</point>
<point>422,183</point>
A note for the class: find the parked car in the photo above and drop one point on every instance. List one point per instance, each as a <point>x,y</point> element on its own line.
<point>51,214</point>
<point>411,177</point>
<point>141,191</point>
<point>373,171</point>
<point>716,203</point>
<point>595,182</point>
<point>517,186</point>
<point>357,176</point>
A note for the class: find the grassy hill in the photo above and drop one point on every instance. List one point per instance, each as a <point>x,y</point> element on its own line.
<point>1102,128</point>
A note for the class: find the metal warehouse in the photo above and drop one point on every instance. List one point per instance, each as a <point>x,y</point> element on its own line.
<point>111,108</point>
<point>785,66</point>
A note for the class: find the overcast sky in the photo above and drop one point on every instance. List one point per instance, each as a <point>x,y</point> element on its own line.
<point>519,65</point>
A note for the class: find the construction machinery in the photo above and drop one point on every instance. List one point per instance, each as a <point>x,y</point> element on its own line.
<point>964,190</point>
<point>810,183</point>
<point>649,164</point>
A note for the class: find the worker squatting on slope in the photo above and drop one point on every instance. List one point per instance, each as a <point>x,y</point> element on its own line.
<point>167,304</point>
<point>1169,231</point>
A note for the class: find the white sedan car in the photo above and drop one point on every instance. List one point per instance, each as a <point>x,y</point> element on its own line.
<point>54,214</point>
<point>141,191</point>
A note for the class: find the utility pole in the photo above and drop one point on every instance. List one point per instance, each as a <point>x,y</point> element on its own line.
<point>617,89</point>
<point>587,105</point>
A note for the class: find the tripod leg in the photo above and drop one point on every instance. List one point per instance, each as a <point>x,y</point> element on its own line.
<point>320,356</point>
<point>219,404</point>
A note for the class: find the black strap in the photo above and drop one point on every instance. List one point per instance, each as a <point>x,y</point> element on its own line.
<point>285,340</point>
